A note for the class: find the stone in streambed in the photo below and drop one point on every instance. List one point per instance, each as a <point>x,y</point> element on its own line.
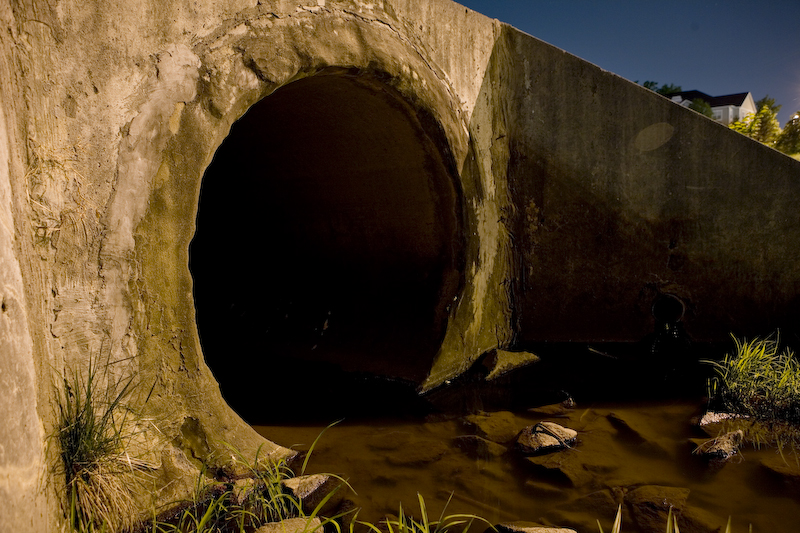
<point>528,527</point>
<point>650,504</point>
<point>501,362</point>
<point>292,525</point>
<point>389,440</point>
<point>478,447</point>
<point>545,437</point>
<point>500,426</point>
<point>720,448</point>
<point>783,469</point>
<point>543,490</point>
<point>555,410</point>
<point>565,468</point>
<point>599,504</point>
<point>417,454</point>
<point>311,490</point>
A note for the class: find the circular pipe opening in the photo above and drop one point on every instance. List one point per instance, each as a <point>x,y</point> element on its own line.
<point>328,232</point>
<point>668,309</point>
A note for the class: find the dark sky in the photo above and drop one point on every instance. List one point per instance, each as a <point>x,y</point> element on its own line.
<point>717,47</point>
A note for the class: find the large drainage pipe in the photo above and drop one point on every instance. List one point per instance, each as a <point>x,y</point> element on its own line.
<point>328,231</point>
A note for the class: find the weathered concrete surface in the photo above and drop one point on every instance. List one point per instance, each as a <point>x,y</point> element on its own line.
<point>622,196</point>
<point>582,196</point>
<point>115,109</point>
<point>22,457</point>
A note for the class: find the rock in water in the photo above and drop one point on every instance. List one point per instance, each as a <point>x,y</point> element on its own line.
<point>499,426</point>
<point>502,362</point>
<point>524,527</point>
<point>650,505</point>
<point>545,437</point>
<point>478,447</point>
<point>292,525</point>
<point>311,491</point>
<point>721,448</point>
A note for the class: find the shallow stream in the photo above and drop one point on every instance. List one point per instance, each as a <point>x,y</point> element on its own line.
<point>636,454</point>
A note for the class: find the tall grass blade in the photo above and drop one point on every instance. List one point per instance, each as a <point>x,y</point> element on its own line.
<point>314,444</point>
<point>617,521</point>
<point>424,512</point>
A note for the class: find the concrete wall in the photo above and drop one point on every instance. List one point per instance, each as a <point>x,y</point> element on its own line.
<point>22,455</point>
<point>583,196</point>
<point>622,196</point>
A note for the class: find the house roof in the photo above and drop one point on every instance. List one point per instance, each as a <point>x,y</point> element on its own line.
<point>729,99</point>
<point>714,101</point>
<point>690,95</point>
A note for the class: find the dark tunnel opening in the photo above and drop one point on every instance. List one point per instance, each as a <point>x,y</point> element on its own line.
<point>328,250</point>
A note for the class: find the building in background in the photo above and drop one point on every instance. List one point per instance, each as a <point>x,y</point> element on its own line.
<point>726,109</point>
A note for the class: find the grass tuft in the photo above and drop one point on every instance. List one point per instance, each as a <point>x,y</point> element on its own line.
<point>91,432</point>
<point>228,508</point>
<point>460,523</point>
<point>267,502</point>
<point>758,379</point>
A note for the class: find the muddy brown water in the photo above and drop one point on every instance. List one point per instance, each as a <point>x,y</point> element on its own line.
<point>620,449</point>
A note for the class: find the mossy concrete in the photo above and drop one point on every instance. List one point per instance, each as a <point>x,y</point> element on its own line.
<point>583,196</point>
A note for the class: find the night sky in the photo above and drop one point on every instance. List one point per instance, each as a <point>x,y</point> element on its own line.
<point>719,48</point>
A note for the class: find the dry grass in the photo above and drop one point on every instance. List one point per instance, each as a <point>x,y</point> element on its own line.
<point>100,498</point>
<point>92,432</point>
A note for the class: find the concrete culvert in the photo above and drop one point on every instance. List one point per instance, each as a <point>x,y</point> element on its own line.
<point>328,232</point>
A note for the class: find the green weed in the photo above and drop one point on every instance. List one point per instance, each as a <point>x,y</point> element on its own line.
<point>267,501</point>
<point>219,508</point>
<point>243,508</point>
<point>198,518</point>
<point>445,524</point>
<point>758,379</point>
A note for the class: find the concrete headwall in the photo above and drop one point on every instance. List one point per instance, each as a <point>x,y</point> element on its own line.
<point>581,197</point>
<point>622,196</point>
